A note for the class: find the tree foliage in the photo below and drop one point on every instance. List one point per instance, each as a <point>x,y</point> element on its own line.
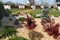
<point>7,12</point>
<point>0,23</point>
<point>2,11</point>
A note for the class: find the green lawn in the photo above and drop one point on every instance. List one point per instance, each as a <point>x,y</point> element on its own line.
<point>51,12</point>
<point>37,11</point>
<point>34,12</point>
<point>55,13</point>
<point>16,10</point>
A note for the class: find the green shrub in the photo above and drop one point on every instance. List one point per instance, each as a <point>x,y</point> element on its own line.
<point>18,38</point>
<point>7,12</point>
<point>21,19</point>
<point>16,15</point>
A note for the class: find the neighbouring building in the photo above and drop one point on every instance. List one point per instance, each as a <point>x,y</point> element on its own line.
<point>21,6</point>
<point>33,7</point>
<point>7,6</point>
<point>10,5</point>
<point>58,4</point>
<point>18,6</point>
<point>32,4</point>
<point>27,6</point>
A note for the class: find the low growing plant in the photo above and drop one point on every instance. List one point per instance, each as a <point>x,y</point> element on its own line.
<point>8,31</point>
<point>18,38</point>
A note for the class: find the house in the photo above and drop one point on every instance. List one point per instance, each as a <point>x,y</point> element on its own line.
<point>58,4</point>
<point>27,6</point>
<point>7,7</point>
<point>33,7</point>
<point>8,4</point>
<point>21,6</point>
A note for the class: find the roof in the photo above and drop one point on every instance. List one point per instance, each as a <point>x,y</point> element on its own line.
<point>58,2</point>
<point>8,3</point>
<point>11,3</point>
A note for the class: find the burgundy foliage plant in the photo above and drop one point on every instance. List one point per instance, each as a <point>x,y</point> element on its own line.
<point>30,23</point>
<point>51,28</point>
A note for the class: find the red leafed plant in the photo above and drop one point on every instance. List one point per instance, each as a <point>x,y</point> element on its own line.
<point>51,28</point>
<point>30,23</point>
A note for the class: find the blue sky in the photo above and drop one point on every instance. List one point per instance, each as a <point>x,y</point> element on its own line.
<point>26,1</point>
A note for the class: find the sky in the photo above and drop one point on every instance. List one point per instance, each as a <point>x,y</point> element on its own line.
<point>36,1</point>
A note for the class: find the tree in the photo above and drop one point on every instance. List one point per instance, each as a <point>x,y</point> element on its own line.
<point>0,23</point>
<point>8,31</point>
<point>1,0</point>
<point>32,2</point>
<point>2,11</point>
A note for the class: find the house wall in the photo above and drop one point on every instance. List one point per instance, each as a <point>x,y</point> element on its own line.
<point>21,6</point>
<point>58,7</point>
<point>7,7</point>
<point>28,7</point>
<point>33,7</point>
<point>42,7</point>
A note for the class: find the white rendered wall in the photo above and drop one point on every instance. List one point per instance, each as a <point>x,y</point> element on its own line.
<point>21,6</point>
<point>42,7</point>
<point>33,7</point>
<point>7,7</point>
<point>58,7</point>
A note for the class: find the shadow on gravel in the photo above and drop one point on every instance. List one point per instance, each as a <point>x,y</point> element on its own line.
<point>35,35</point>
